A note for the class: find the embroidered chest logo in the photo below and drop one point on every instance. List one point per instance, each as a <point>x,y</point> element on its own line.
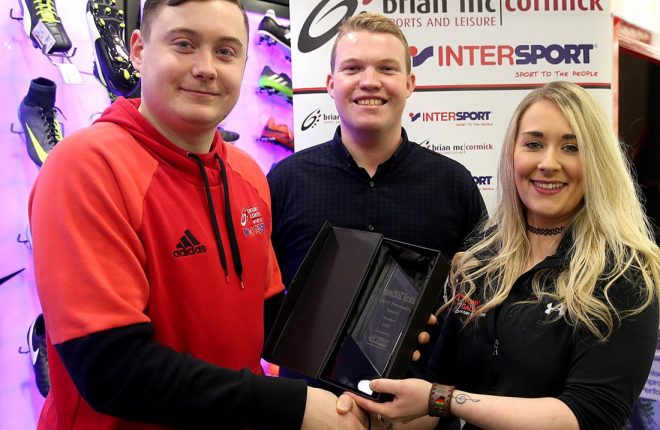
<point>466,306</point>
<point>560,309</point>
<point>188,245</point>
<point>252,223</point>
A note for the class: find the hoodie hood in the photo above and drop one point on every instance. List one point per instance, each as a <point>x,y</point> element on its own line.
<point>124,112</point>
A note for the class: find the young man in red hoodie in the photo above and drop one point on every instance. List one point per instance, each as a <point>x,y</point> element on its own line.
<point>152,249</point>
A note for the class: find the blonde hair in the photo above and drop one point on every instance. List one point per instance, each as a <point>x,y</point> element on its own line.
<point>612,236</point>
<point>371,23</point>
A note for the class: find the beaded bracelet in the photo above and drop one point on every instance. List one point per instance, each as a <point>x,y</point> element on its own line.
<point>440,400</point>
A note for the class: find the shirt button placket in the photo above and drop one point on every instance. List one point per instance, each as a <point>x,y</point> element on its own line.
<point>372,206</point>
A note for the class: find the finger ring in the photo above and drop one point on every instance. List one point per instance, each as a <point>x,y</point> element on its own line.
<point>380,418</point>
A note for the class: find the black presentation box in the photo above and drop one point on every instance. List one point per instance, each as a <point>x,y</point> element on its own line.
<point>355,307</point>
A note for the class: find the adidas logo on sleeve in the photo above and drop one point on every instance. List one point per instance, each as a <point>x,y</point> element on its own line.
<point>188,245</point>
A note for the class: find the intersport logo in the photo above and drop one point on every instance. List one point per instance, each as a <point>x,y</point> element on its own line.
<point>508,55</point>
<point>323,22</point>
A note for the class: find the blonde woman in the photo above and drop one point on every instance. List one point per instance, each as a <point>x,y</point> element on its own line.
<point>554,315</point>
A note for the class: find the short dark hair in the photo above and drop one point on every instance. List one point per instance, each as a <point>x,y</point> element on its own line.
<point>151,7</point>
<point>372,23</point>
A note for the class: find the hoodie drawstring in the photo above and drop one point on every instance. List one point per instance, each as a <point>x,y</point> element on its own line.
<point>238,266</point>
<point>233,242</point>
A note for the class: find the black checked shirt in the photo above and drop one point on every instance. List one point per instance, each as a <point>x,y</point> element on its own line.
<point>416,196</point>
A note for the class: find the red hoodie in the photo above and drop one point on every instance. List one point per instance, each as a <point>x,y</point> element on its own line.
<point>125,242</point>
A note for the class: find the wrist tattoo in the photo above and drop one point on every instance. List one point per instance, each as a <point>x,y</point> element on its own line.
<point>390,426</point>
<point>462,398</point>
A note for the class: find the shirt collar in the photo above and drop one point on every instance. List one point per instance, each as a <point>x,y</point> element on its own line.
<point>403,149</point>
<point>561,257</point>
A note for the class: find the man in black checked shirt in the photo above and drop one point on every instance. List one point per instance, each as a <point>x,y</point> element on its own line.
<point>370,176</point>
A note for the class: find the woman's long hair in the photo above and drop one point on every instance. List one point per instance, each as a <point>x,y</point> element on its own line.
<point>612,236</point>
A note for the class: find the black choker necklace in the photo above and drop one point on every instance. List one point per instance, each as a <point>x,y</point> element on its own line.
<point>545,231</point>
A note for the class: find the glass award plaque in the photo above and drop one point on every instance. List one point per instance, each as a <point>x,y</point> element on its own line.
<point>371,343</point>
<point>385,317</point>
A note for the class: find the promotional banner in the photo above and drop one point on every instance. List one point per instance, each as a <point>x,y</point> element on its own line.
<point>652,387</point>
<point>474,61</point>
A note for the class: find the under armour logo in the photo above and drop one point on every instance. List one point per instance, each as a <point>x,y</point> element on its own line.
<point>560,308</point>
